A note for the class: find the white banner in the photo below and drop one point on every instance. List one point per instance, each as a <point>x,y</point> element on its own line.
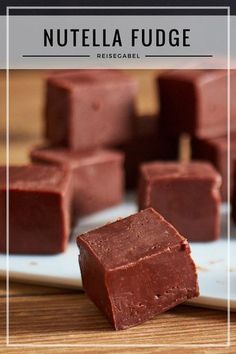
<point>145,42</point>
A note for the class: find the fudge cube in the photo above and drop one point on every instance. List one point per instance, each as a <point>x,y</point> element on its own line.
<point>187,194</point>
<point>147,144</point>
<point>89,108</point>
<point>215,150</point>
<point>98,176</point>
<point>39,209</point>
<point>136,268</point>
<point>195,102</point>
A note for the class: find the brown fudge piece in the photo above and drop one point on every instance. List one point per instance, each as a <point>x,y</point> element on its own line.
<point>39,209</point>
<point>98,176</point>
<point>215,151</point>
<point>136,268</point>
<point>90,108</point>
<point>186,194</point>
<point>147,144</point>
<point>195,102</point>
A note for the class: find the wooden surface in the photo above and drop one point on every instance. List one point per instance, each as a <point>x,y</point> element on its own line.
<point>42,316</point>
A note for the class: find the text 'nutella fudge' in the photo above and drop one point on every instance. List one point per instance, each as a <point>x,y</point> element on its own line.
<point>195,102</point>
<point>186,194</point>
<point>215,150</point>
<point>39,209</point>
<point>136,268</point>
<point>98,177</point>
<point>89,108</point>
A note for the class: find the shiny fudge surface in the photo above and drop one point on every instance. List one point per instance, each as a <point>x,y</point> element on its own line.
<point>87,77</point>
<point>98,177</point>
<point>35,177</point>
<point>73,159</point>
<point>186,194</point>
<point>215,150</point>
<point>39,209</point>
<point>136,268</point>
<point>91,108</point>
<point>183,170</point>
<point>195,102</point>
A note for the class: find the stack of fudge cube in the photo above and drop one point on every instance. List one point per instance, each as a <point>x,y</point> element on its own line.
<point>193,103</point>
<point>94,144</point>
<point>76,172</point>
<point>136,267</point>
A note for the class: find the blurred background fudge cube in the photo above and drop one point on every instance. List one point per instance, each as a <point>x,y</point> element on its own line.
<point>89,108</point>
<point>195,102</point>
<point>98,176</point>
<point>186,194</point>
<point>215,150</point>
<point>39,209</point>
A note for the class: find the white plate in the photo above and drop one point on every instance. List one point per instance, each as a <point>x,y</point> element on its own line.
<point>62,270</point>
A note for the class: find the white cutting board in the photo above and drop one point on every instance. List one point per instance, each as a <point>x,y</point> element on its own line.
<point>63,270</point>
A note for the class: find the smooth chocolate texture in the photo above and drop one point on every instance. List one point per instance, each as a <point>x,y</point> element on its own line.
<point>195,102</point>
<point>136,268</point>
<point>39,209</point>
<point>148,143</point>
<point>186,194</point>
<point>215,150</point>
<point>89,108</point>
<point>98,176</point>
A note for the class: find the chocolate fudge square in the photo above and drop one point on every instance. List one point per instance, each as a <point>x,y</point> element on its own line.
<point>147,144</point>
<point>136,268</point>
<point>89,108</point>
<point>186,194</point>
<point>39,209</point>
<point>98,176</point>
<point>215,150</point>
<point>195,102</point>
